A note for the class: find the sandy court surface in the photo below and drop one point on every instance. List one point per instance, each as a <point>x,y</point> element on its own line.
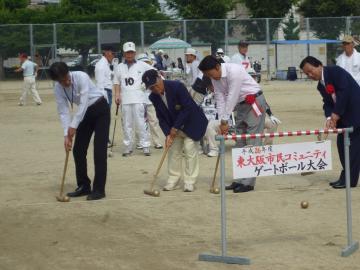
<point>129,230</point>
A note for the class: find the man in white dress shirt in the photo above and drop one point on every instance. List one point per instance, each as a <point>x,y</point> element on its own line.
<point>92,116</point>
<point>235,90</point>
<point>241,57</point>
<point>350,58</point>
<point>29,70</point>
<point>130,94</point>
<point>104,72</point>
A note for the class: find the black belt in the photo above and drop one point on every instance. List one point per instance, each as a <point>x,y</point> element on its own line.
<point>256,95</point>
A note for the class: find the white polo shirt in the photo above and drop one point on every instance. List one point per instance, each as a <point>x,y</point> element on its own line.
<point>235,84</point>
<point>28,68</point>
<point>129,79</point>
<point>350,64</point>
<point>241,59</point>
<point>82,92</point>
<point>103,74</point>
<point>193,71</point>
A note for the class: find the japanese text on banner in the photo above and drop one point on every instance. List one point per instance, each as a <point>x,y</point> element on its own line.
<point>281,159</point>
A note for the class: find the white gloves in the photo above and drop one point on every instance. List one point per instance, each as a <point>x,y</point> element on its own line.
<point>274,120</point>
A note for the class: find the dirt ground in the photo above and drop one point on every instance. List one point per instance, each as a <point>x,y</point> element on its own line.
<point>129,230</point>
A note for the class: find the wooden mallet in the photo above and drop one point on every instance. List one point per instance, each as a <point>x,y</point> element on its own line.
<point>155,192</point>
<point>61,197</point>
<point>213,189</point>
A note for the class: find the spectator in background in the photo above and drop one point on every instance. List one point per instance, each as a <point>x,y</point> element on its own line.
<point>241,57</point>
<point>168,62</point>
<point>29,70</point>
<point>350,58</point>
<point>220,54</point>
<point>159,60</point>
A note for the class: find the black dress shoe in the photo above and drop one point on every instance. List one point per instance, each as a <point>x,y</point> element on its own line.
<point>80,191</point>
<point>339,185</point>
<point>95,196</point>
<point>232,186</point>
<point>243,188</point>
<point>334,183</point>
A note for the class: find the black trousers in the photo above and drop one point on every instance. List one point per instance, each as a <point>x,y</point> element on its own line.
<point>96,120</point>
<point>354,156</point>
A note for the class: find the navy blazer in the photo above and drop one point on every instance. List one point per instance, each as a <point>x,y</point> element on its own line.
<point>182,112</point>
<point>347,92</point>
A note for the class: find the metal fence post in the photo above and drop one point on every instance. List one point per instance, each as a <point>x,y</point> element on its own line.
<point>99,38</point>
<point>142,33</point>
<point>184,30</point>
<point>31,41</point>
<point>226,41</point>
<point>54,54</point>
<point>307,35</point>
<point>268,47</point>
<point>348,26</point>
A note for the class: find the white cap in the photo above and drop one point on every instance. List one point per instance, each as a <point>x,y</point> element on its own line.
<point>220,50</point>
<point>161,51</point>
<point>143,57</point>
<point>129,47</point>
<point>190,51</point>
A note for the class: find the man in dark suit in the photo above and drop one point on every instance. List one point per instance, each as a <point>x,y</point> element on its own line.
<point>183,124</point>
<point>341,97</point>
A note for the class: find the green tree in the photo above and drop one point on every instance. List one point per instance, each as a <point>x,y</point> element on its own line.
<point>329,28</point>
<point>256,29</point>
<point>291,28</point>
<point>79,37</point>
<point>210,31</point>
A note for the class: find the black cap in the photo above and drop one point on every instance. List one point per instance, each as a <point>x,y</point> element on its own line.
<point>243,43</point>
<point>149,77</point>
<point>106,47</point>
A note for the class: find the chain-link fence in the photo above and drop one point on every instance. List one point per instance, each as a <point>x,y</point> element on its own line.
<point>80,44</point>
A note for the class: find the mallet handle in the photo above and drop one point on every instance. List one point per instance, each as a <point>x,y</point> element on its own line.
<point>64,173</point>
<point>113,136</point>
<point>159,167</point>
<point>216,170</point>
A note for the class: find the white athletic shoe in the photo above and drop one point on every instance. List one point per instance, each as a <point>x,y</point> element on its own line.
<point>21,104</point>
<point>138,146</point>
<point>212,153</point>
<point>170,186</point>
<point>158,146</point>
<point>146,151</point>
<point>188,187</point>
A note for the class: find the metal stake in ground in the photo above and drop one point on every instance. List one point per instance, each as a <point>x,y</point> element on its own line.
<point>152,191</point>
<point>61,197</point>
<point>214,189</point>
<point>113,136</point>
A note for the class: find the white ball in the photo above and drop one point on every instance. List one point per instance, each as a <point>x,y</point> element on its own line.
<point>110,154</point>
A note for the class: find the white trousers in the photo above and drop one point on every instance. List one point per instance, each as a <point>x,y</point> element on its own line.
<point>154,125</point>
<point>30,86</point>
<point>134,114</point>
<point>183,146</point>
<point>212,130</point>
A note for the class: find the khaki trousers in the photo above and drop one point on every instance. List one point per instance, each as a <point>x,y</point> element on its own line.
<point>30,86</point>
<point>183,146</point>
<point>155,130</point>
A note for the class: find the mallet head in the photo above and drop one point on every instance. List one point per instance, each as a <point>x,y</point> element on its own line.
<point>110,154</point>
<point>63,198</point>
<point>154,192</point>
